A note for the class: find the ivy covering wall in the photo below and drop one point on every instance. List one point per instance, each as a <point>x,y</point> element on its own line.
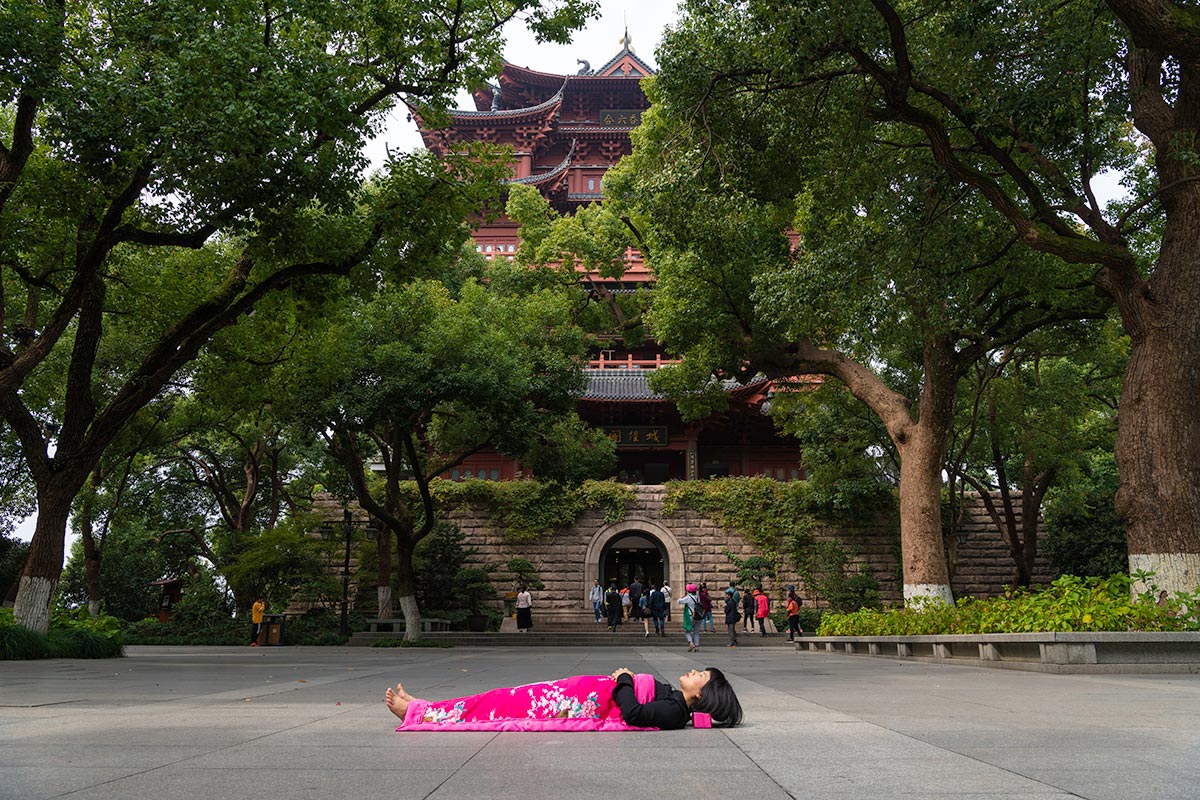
<point>526,510</point>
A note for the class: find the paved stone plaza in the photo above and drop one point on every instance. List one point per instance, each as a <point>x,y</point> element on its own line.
<point>294,723</point>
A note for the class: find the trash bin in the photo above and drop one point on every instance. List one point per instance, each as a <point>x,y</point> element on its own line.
<point>272,631</point>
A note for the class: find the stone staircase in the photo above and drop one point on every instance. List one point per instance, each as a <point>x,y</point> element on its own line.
<point>578,628</point>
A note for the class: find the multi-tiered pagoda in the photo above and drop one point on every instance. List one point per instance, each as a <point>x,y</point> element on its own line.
<point>566,131</point>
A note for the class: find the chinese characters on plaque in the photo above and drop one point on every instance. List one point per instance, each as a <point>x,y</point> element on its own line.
<point>638,435</point>
<point>620,118</point>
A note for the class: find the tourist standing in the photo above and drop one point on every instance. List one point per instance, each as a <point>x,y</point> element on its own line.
<point>256,619</point>
<point>612,602</point>
<point>762,607</point>
<point>691,611</point>
<point>596,595</point>
<point>644,612</point>
<point>626,604</point>
<point>635,598</point>
<point>658,611</point>
<point>748,609</point>
<point>706,618</point>
<point>731,615</point>
<point>666,590</point>
<point>524,610</point>
<point>793,614</point>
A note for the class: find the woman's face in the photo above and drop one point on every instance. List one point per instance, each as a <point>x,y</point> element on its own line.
<point>692,682</point>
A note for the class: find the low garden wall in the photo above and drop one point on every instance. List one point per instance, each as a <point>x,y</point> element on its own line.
<point>1092,652</point>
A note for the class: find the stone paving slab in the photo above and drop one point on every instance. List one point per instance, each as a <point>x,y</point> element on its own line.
<point>288,723</point>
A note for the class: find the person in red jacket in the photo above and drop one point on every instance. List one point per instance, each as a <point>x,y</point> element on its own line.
<point>762,606</point>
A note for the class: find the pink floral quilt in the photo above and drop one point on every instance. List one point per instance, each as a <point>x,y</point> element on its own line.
<point>581,703</point>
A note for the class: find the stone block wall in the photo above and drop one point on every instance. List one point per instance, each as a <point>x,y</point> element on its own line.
<point>983,567</point>
<point>568,560</point>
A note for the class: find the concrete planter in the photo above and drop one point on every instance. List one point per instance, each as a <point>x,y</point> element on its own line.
<point>1038,652</point>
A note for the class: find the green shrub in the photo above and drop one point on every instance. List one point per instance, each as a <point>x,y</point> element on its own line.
<point>1068,604</point>
<point>73,634</point>
<point>406,643</point>
<point>826,568</point>
<point>82,642</point>
<point>102,625</point>
<point>226,631</point>
<point>810,619</point>
<point>18,643</point>
<point>319,627</point>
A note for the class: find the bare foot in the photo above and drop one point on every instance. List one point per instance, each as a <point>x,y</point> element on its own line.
<point>396,703</point>
<point>408,698</point>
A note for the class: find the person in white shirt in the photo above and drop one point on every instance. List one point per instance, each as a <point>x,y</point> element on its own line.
<point>666,590</point>
<point>596,595</point>
<point>524,612</point>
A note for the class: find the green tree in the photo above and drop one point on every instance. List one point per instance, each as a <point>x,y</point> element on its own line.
<point>1083,535</point>
<point>1037,413</point>
<point>229,452</point>
<point>123,588</point>
<point>166,167</point>
<point>12,556</point>
<point>894,285</point>
<point>1022,105</point>
<point>408,384</point>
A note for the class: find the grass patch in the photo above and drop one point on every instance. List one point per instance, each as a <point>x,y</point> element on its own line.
<point>18,643</point>
<point>73,634</point>
<point>82,643</point>
<point>407,643</point>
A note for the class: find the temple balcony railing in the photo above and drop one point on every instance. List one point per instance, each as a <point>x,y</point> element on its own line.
<point>629,362</point>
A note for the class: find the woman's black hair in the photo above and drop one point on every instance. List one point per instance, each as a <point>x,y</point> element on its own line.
<point>718,699</point>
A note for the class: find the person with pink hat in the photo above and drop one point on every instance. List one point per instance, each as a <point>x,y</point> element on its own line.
<point>691,611</point>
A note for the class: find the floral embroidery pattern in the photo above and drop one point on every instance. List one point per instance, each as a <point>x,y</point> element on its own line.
<point>438,715</point>
<point>569,698</point>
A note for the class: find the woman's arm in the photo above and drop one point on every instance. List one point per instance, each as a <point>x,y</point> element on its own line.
<point>666,714</point>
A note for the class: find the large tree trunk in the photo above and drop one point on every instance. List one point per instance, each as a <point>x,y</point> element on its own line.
<point>383,580</point>
<point>1158,436</point>
<point>91,561</point>
<point>926,574</point>
<point>1158,445</point>
<point>407,589</point>
<point>39,578</point>
<point>921,444</point>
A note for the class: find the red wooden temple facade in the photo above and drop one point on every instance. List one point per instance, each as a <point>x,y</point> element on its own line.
<point>566,131</point>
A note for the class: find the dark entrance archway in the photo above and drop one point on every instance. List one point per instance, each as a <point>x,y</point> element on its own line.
<point>633,554</point>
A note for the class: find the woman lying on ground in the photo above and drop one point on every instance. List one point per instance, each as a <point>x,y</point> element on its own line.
<point>622,701</point>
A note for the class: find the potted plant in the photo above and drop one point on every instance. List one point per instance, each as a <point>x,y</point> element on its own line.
<point>474,588</point>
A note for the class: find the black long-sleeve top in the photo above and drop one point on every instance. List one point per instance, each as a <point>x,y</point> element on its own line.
<point>668,710</point>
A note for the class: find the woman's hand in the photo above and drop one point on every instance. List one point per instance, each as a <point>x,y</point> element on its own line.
<point>622,671</point>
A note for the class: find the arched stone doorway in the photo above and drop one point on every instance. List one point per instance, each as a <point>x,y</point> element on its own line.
<point>620,547</point>
<point>633,554</point>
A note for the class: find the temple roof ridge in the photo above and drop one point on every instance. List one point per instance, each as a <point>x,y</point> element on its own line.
<point>626,52</point>
<point>548,103</point>
<point>621,383</point>
<point>554,173</point>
